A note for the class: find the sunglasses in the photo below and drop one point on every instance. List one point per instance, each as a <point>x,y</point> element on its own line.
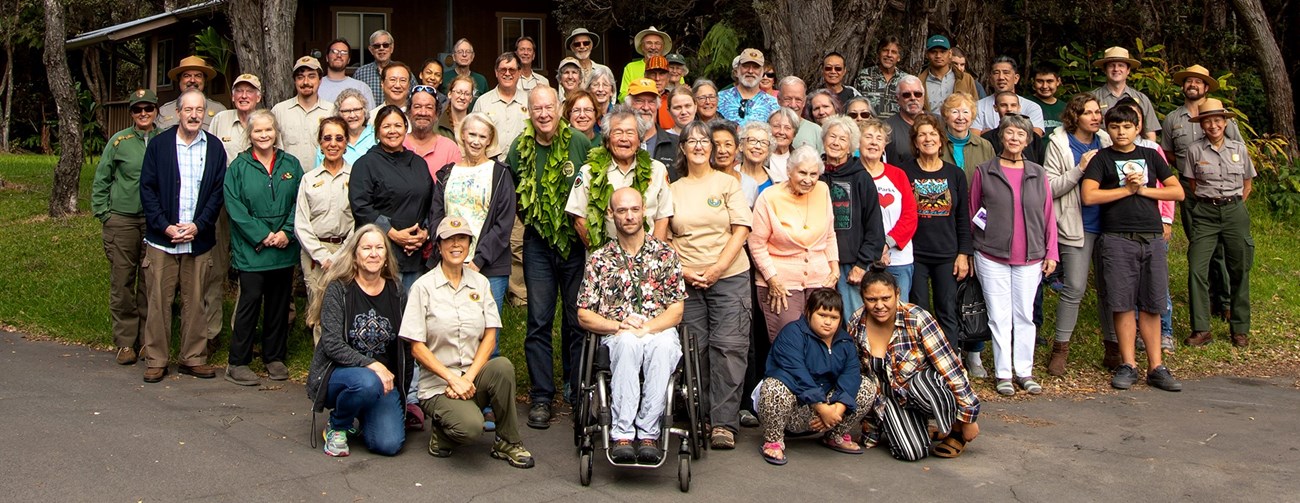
<point>147,109</point>
<point>337,137</point>
<point>830,68</point>
<point>860,115</point>
<point>582,43</point>
<point>912,94</point>
<point>381,45</point>
<point>741,109</point>
<point>770,75</point>
<point>424,89</point>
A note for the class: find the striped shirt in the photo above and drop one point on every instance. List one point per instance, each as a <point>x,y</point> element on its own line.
<point>190,159</point>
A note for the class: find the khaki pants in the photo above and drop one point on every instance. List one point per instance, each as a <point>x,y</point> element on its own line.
<point>165,274</point>
<point>214,284</point>
<point>124,247</point>
<point>461,421</point>
<point>518,292</point>
<point>312,275</point>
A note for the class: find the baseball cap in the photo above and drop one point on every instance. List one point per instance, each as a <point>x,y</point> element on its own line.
<point>642,86</point>
<point>656,63</point>
<point>251,79</point>
<point>143,96</point>
<point>452,226</point>
<point>675,59</point>
<point>937,41</point>
<point>751,55</point>
<point>306,62</point>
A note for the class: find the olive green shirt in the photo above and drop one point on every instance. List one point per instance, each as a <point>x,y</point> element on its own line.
<point>116,186</point>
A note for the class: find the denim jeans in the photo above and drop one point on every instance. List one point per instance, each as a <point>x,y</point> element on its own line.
<point>850,294</point>
<point>903,275</point>
<point>550,278</point>
<point>355,393</point>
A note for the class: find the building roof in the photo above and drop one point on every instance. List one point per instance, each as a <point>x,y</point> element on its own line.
<point>132,29</point>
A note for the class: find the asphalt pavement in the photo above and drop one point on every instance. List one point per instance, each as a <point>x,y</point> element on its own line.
<point>78,427</point>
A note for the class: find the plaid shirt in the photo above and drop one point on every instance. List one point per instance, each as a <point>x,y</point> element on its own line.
<point>918,343</point>
<point>369,73</point>
<point>881,93</point>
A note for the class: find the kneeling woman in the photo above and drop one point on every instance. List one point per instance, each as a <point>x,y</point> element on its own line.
<point>906,356</point>
<point>813,380</point>
<point>360,367</point>
<point>452,323</point>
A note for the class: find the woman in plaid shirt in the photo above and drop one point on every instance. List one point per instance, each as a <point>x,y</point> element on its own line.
<point>918,374</point>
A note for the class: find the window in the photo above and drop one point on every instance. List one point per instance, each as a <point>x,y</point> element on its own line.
<point>514,26</point>
<point>356,27</point>
<point>164,61</point>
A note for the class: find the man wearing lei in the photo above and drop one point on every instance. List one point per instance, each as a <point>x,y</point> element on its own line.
<point>544,159</point>
<point>621,162</point>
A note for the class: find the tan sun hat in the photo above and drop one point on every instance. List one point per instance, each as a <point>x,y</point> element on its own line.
<point>192,63</point>
<point>668,41</point>
<point>1199,72</point>
<point>595,39</point>
<point>1117,54</point>
<point>1212,107</point>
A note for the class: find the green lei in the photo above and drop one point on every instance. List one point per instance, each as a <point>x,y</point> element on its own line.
<point>544,209</point>
<point>599,159</point>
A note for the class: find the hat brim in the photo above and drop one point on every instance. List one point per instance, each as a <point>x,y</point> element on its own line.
<point>595,39</point>
<point>1133,64</point>
<point>207,71</point>
<point>1222,112</point>
<point>455,232</point>
<point>668,41</point>
<point>1210,83</point>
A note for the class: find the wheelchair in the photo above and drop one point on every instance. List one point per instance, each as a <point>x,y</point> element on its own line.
<point>683,418</point>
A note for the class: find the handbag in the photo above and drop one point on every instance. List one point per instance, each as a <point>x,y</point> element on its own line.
<point>973,319</point>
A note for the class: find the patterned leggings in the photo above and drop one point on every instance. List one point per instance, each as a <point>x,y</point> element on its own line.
<point>779,409</point>
<point>905,425</point>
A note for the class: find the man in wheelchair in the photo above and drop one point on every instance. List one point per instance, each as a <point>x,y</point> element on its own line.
<point>634,291</point>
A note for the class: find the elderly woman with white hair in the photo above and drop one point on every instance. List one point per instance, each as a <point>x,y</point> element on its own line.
<point>785,126</point>
<point>1014,234</point>
<point>755,174</point>
<point>602,86</point>
<point>793,241</point>
<point>856,207</point>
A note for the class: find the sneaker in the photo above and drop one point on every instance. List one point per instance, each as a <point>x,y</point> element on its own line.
<point>276,371</point>
<point>648,452</point>
<point>974,370</point>
<point>1005,387</point>
<point>748,419</point>
<point>1160,377</point>
<point>1125,376</point>
<point>336,442</point>
<point>515,453</point>
<point>1030,385</point>
<point>1167,343</point>
<point>126,356</point>
<point>438,448</point>
<point>539,416</point>
<point>242,375</point>
<point>622,452</point>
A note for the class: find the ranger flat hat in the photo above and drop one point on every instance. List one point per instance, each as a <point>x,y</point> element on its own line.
<point>1117,54</point>
<point>1199,72</point>
<point>192,63</point>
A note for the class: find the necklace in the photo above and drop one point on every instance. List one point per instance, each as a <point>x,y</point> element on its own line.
<point>1011,160</point>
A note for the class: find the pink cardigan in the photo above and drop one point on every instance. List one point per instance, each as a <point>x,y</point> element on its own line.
<point>777,253</point>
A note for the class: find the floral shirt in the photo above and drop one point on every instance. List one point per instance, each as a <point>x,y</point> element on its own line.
<point>618,285</point>
<point>916,344</point>
<point>880,92</point>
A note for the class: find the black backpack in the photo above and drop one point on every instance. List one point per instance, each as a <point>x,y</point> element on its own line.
<point>973,322</point>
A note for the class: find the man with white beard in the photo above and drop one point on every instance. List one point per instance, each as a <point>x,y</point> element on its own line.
<point>582,43</point>
<point>746,102</point>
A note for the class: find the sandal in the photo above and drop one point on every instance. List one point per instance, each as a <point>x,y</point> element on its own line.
<point>722,438</point>
<point>1005,388</point>
<point>1029,385</point>
<point>841,443</point>
<point>950,447</point>
<point>777,453</point>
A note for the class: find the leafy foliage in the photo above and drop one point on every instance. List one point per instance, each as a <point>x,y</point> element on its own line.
<point>719,47</point>
<point>214,47</point>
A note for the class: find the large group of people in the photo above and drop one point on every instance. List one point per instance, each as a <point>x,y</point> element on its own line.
<point>812,242</point>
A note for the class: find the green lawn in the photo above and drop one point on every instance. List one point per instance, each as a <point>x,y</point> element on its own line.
<point>55,276</point>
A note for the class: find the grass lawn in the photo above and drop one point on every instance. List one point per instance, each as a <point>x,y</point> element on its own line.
<point>55,280</point>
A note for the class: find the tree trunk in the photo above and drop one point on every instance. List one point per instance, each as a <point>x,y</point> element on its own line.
<point>1276,81</point>
<point>263,36</point>
<point>93,71</point>
<point>800,32</point>
<point>67,175</point>
<point>972,28</point>
<point>7,82</point>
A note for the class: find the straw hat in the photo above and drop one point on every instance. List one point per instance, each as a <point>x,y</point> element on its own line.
<point>192,63</point>
<point>668,41</point>
<point>1117,54</point>
<point>1199,72</point>
<point>1212,107</point>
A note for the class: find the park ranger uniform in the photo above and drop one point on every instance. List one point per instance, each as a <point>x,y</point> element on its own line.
<point>1220,217</point>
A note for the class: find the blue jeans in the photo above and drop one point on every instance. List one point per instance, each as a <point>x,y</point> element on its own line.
<point>408,279</point>
<point>355,393</point>
<point>903,275</point>
<point>549,278</point>
<point>850,294</point>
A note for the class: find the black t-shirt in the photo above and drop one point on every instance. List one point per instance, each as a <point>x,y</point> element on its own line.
<point>1133,213</point>
<point>942,211</point>
<point>373,322</point>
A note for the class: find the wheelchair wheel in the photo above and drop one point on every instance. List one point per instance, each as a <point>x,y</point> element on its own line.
<point>684,472</point>
<point>692,401</point>
<point>584,468</point>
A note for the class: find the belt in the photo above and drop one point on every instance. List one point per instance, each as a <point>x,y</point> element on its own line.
<point>1218,201</point>
<point>1141,237</point>
<point>333,241</point>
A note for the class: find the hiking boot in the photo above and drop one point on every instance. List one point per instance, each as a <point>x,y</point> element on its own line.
<point>1110,359</point>
<point>539,416</point>
<point>1160,377</point>
<point>1124,378</point>
<point>622,452</point>
<point>154,374</point>
<point>242,375</point>
<point>1240,340</point>
<point>203,371</point>
<point>1199,338</point>
<point>1056,363</point>
<point>439,447</point>
<point>276,371</point>
<point>336,443</point>
<point>126,356</point>
<point>648,453</point>
<point>748,419</point>
<point>515,453</point>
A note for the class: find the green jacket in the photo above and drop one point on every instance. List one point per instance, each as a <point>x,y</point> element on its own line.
<point>259,204</point>
<point>116,187</point>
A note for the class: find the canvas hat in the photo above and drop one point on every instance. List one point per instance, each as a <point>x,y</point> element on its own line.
<point>251,79</point>
<point>937,41</point>
<point>143,96</point>
<point>192,63</point>
<point>567,61</point>
<point>642,86</point>
<point>1117,54</point>
<point>656,63</point>
<point>668,41</point>
<point>1212,107</point>
<point>595,39</point>
<point>452,226</point>
<point>675,59</point>
<point>750,55</point>
<point>307,62</point>
<point>1199,72</point>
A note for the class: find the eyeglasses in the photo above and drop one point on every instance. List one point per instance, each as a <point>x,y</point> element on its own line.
<point>912,94</point>
<point>381,45</point>
<point>582,43</point>
<point>424,89</point>
<point>337,137</point>
<point>770,75</point>
<point>698,142</point>
<point>708,97</point>
<point>462,93</point>
<point>339,52</point>
<point>757,142</point>
<point>830,68</point>
<point>860,115</point>
<point>350,111</point>
<point>464,52</point>
<point>583,111</point>
<point>147,109</point>
<point>508,71</point>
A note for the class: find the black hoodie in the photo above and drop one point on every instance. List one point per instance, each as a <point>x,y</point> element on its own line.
<point>855,205</point>
<point>393,191</point>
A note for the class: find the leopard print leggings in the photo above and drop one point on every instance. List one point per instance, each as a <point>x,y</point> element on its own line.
<point>779,409</point>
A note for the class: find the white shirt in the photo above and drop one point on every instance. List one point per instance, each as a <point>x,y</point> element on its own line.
<point>987,116</point>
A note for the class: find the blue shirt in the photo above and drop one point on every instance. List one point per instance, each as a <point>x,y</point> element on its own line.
<point>1091,214</point>
<point>741,111</point>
